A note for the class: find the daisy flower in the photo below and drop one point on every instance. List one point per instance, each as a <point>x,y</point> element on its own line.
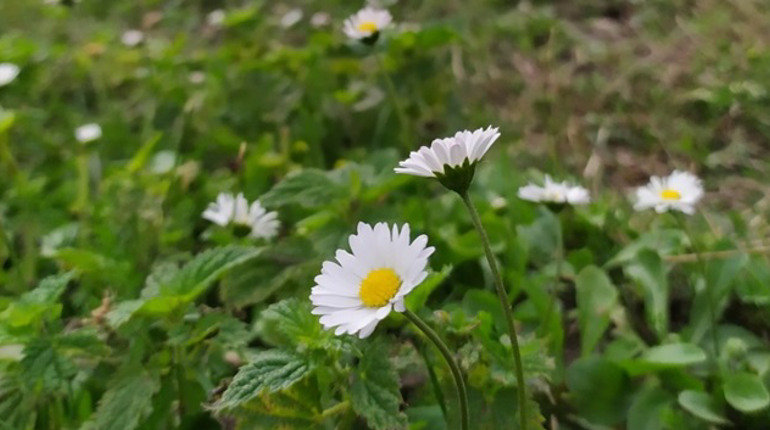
<point>555,192</point>
<point>229,209</point>
<point>88,133</point>
<point>361,288</point>
<point>8,73</point>
<point>678,191</point>
<point>367,23</point>
<point>451,160</point>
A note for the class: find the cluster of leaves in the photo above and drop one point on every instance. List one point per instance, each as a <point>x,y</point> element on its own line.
<point>120,308</point>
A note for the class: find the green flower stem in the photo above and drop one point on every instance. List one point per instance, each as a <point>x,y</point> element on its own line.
<point>396,101</point>
<point>447,354</point>
<point>334,410</point>
<point>506,304</point>
<point>709,293</point>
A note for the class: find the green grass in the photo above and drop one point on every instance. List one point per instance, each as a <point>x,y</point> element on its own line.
<point>122,308</point>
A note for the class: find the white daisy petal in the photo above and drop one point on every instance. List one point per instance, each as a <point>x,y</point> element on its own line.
<point>555,192</point>
<point>88,133</point>
<point>450,151</point>
<point>8,73</point>
<point>363,286</point>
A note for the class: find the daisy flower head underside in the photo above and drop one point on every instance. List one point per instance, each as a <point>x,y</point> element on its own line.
<point>229,209</point>
<point>555,192</point>
<point>367,24</point>
<point>451,160</point>
<point>360,288</point>
<point>679,191</point>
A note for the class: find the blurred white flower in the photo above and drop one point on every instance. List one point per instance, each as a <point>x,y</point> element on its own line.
<point>453,151</point>
<point>359,289</point>
<point>291,17</point>
<point>236,210</point>
<point>215,18</point>
<point>8,73</point>
<point>679,191</point>
<point>320,19</point>
<point>132,38</point>
<point>366,23</point>
<point>88,133</point>
<point>197,77</point>
<point>555,192</point>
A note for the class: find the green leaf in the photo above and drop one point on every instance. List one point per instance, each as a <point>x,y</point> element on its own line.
<point>38,304</point>
<point>674,355</point>
<point>46,369</point>
<point>746,392</point>
<point>168,289</point>
<point>375,392</point>
<point>128,400</point>
<point>702,406</point>
<point>599,388</point>
<point>270,371</point>
<point>417,298</point>
<point>308,188</point>
<point>596,298</point>
<point>649,274</point>
<point>197,275</point>
<point>290,323</point>
<point>647,408</point>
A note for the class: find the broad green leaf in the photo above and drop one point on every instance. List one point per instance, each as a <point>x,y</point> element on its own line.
<point>38,304</point>
<point>663,240</point>
<point>649,274</point>
<point>667,356</point>
<point>746,392</point>
<point>375,391</point>
<point>596,298</point>
<point>128,400</point>
<point>45,368</point>
<point>648,406</point>
<point>268,372</point>
<point>308,188</point>
<point>702,406</point>
<point>297,407</point>
<point>754,282</point>
<point>599,389</point>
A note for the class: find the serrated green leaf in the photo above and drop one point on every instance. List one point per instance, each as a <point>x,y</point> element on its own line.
<point>649,274</point>
<point>746,392</point>
<point>197,275</point>
<point>375,392</point>
<point>290,323</point>
<point>44,368</point>
<point>702,406</point>
<point>40,303</point>
<point>596,298</point>
<point>270,371</point>
<point>128,400</point>
<point>308,188</point>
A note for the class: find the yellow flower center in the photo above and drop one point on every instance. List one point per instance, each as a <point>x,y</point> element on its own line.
<point>379,287</point>
<point>367,27</point>
<point>670,195</point>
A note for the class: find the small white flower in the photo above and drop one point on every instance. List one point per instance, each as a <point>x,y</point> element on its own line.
<point>88,133</point>
<point>359,289</point>
<point>555,192</point>
<point>366,23</point>
<point>8,72</point>
<point>320,19</point>
<point>132,38</point>
<point>678,191</point>
<point>449,152</point>
<point>236,210</point>
<point>291,17</point>
<point>216,18</point>
<point>197,77</point>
